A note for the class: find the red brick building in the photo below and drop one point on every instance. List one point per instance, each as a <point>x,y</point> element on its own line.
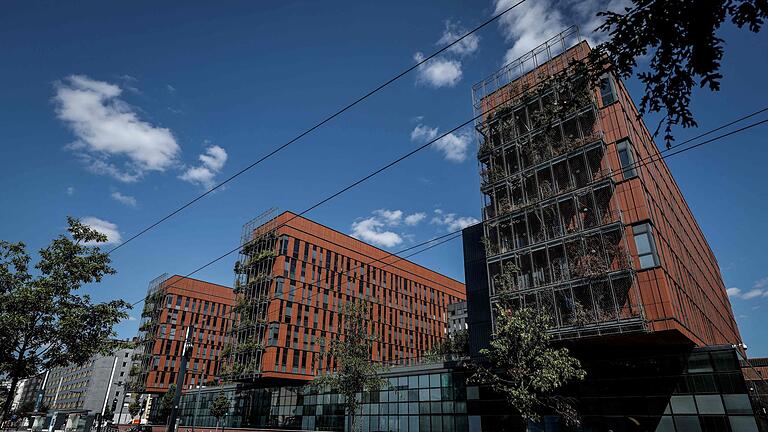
<point>173,304</point>
<point>578,199</point>
<point>294,277</point>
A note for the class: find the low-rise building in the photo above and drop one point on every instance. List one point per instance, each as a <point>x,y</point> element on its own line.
<point>77,394</point>
<point>27,392</point>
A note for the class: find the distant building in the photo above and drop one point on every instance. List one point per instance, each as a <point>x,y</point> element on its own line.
<point>77,394</point>
<point>295,275</point>
<point>174,304</point>
<point>27,392</point>
<point>457,317</point>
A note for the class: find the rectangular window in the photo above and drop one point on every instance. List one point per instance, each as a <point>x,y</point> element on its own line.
<point>646,248</point>
<point>284,245</point>
<point>607,90</point>
<point>626,158</point>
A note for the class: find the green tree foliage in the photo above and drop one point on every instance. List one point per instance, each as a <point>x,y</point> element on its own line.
<point>43,322</point>
<point>355,372</point>
<point>134,408</point>
<point>523,366</point>
<point>26,408</point>
<point>109,415</point>
<point>220,407</point>
<point>166,403</point>
<point>681,39</point>
<point>455,344</point>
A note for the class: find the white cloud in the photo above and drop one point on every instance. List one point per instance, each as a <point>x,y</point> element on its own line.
<point>445,69</point>
<point>132,318</point>
<point>423,133</point>
<point>532,23</point>
<point>452,32</point>
<point>70,191</point>
<point>451,221</point>
<point>377,229</point>
<point>454,146</point>
<point>110,137</point>
<point>212,161</point>
<point>758,290</point>
<point>753,294</point>
<point>415,218</point>
<point>438,72</point>
<point>390,217</point>
<point>107,228</point>
<point>124,199</point>
<point>372,231</point>
<point>761,283</point>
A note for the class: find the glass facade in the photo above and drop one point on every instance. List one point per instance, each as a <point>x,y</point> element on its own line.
<point>630,390</point>
<point>701,390</point>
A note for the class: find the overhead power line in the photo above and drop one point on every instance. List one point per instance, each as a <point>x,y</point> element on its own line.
<point>645,161</point>
<point>315,126</point>
<point>433,242</point>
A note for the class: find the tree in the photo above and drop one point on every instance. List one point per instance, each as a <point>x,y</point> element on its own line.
<point>455,344</point>
<point>682,39</point>
<point>135,406</point>
<point>525,368</point>
<point>166,403</point>
<point>43,322</point>
<point>220,407</point>
<point>355,372</point>
<point>109,415</point>
<point>25,408</point>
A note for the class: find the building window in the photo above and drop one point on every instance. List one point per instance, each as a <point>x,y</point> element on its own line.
<point>646,248</point>
<point>284,245</point>
<point>607,90</point>
<point>626,158</point>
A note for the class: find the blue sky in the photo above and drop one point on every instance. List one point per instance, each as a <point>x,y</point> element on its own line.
<point>120,112</point>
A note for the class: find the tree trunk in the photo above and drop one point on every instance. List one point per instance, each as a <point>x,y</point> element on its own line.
<point>9,398</point>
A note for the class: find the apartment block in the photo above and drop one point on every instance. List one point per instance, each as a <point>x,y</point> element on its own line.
<point>582,218</point>
<point>174,304</point>
<point>88,389</point>
<point>294,276</point>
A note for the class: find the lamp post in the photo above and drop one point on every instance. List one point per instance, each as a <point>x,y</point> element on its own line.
<point>186,353</point>
<point>197,399</point>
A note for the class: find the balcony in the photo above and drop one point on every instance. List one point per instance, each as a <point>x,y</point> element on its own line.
<point>578,166</point>
<point>584,282</point>
<point>588,307</point>
<point>554,219</point>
